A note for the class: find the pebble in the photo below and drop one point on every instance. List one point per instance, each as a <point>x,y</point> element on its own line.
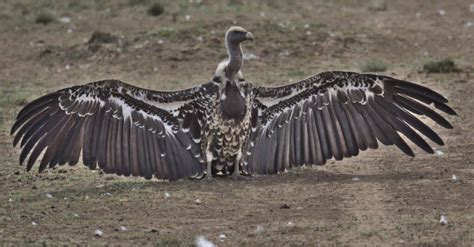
<point>98,233</point>
<point>48,195</point>
<point>355,179</point>
<point>167,195</point>
<point>443,220</point>
<point>34,223</point>
<point>203,242</point>
<point>123,229</point>
<point>222,237</point>
<point>454,177</point>
<point>197,201</point>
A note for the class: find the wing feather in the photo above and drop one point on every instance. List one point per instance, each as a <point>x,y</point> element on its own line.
<point>123,129</point>
<point>336,114</point>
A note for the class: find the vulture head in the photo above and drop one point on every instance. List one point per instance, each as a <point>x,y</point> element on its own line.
<point>236,35</point>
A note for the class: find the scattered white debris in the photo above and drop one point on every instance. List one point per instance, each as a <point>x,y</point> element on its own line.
<point>75,215</point>
<point>355,179</point>
<point>222,237</point>
<point>262,14</point>
<point>308,33</point>
<point>10,200</point>
<point>100,186</point>
<point>123,229</point>
<point>160,41</point>
<point>65,19</point>
<point>107,194</point>
<point>86,197</point>
<point>98,233</point>
<point>441,12</point>
<point>471,8</point>
<point>203,242</point>
<point>306,26</point>
<point>299,208</point>
<point>34,223</point>
<point>197,201</point>
<point>439,152</point>
<point>48,195</point>
<point>199,38</point>
<point>454,177</point>
<point>259,228</point>
<point>70,30</point>
<point>426,53</point>
<point>290,223</point>
<point>68,66</point>
<point>418,14</point>
<point>188,17</point>
<point>443,220</point>
<point>468,24</point>
<point>250,56</point>
<point>167,195</point>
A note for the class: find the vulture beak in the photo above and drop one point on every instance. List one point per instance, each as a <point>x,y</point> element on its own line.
<point>249,36</point>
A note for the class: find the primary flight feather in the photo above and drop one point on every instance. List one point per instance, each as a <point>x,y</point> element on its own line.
<point>227,125</point>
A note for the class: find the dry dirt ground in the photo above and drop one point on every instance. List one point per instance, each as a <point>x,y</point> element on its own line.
<point>396,200</point>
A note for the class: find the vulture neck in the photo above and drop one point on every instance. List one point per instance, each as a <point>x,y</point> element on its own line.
<point>235,60</point>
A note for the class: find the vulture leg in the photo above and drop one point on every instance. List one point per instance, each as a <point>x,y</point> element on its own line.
<point>209,158</point>
<point>236,173</point>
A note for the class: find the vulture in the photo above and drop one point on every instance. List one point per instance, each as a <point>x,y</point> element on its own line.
<point>228,126</point>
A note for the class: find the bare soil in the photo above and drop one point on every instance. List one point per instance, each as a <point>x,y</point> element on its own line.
<point>380,197</point>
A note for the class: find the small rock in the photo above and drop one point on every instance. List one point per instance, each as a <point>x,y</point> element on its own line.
<point>123,229</point>
<point>167,195</point>
<point>108,194</point>
<point>34,223</point>
<point>197,201</point>
<point>439,152</point>
<point>355,179</point>
<point>262,14</point>
<point>75,215</point>
<point>259,228</point>
<point>222,237</point>
<point>188,17</point>
<point>65,19</point>
<point>203,242</point>
<point>308,33</point>
<point>443,220</point>
<point>441,12</point>
<point>306,26</point>
<point>454,177</point>
<point>49,196</point>
<point>468,24</point>
<point>98,233</point>
<point>10,200</point>
<point>99,186</point>
<point>290,223</point>
<point>471,8</point>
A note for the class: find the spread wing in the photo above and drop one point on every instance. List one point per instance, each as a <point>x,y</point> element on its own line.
<point>336,114</point>
<point>120,128</point>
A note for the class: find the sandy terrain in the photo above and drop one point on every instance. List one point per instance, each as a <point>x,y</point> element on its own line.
<point>379,197</point>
